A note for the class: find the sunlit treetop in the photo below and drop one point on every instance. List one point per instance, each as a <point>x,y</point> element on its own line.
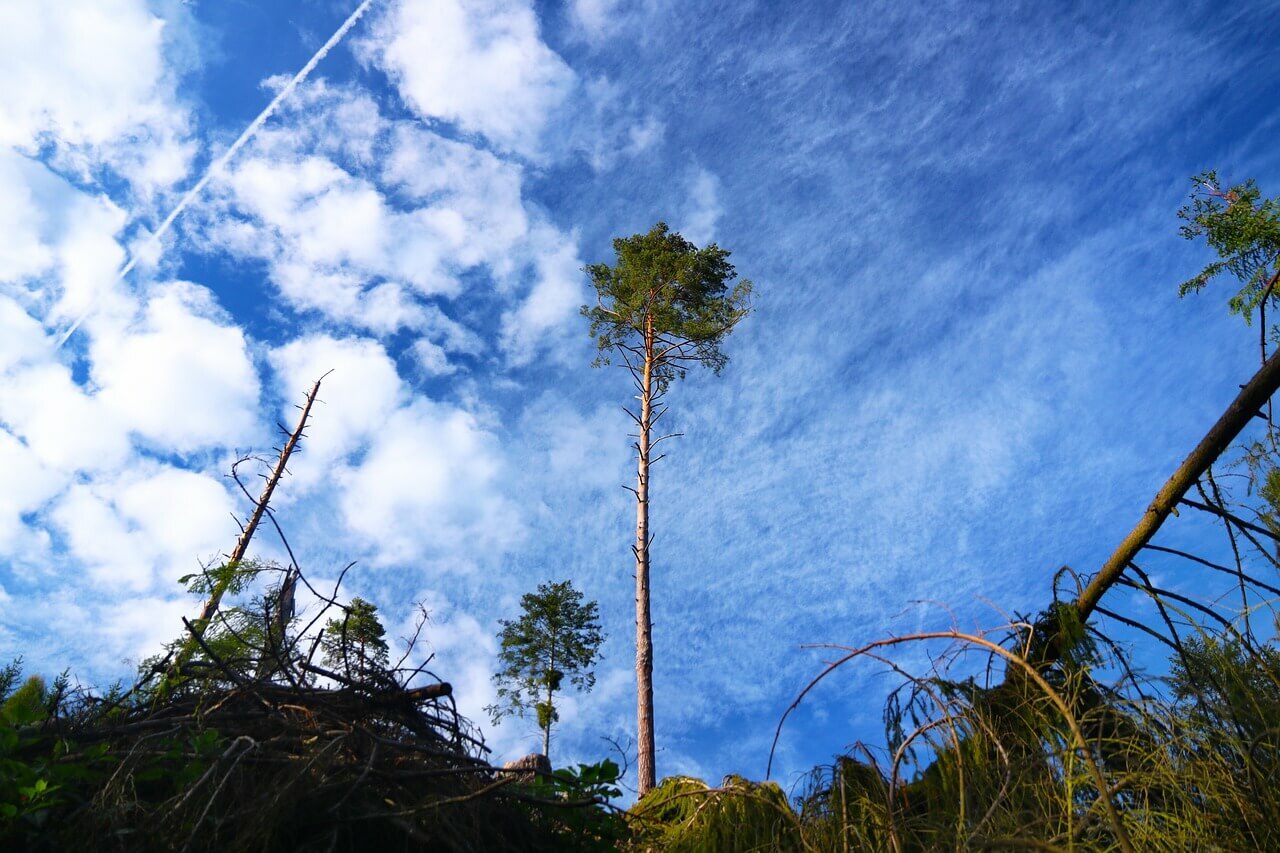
<point>1244,229</point>
<point>666,293</point>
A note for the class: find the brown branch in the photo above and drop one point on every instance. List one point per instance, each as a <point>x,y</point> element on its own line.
<point>246,536</point>
<point>1230,517</point>
<point>1241,411</point>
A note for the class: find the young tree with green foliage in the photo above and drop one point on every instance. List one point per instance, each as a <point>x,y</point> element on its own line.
<point>1244,229</point>
<point>557,636</point>
<point>355,645</point>
<point>663,307</point>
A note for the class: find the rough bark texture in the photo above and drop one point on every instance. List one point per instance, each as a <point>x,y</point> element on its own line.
<point>644,632</point>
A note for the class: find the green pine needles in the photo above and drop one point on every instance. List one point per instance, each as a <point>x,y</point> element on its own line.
<point>666,291</point>
<point>557,637</point>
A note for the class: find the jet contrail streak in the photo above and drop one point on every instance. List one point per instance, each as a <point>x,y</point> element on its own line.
<point>219,164</point>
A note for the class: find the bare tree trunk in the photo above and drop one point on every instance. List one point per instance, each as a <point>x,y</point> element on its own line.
<point>644,630</point>
<point>246,536</point>
<point>546,730</point>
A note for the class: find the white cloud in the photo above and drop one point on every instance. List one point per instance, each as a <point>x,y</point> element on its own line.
<point>611,124</point>
<point>23,253</point>
<point>28,484</point>
<point>378,247</point>
<point>147,525</point>
<point>355,399</point>
<point>66,428</point>
<point>89,257</point>
<point>334,241</point>
<point>569,446</point>
<point>703,210</point>
<point>183,378</point>
<point>480,65</point>
<point>597,19</point>
<point>432,359</point>
<point>59,244</point>
<point>464,652</point>
<point>63,73</point>
<point>139,627</point>
<point>182,514</point>
<point>429,484</point>
<point>22,340</point>
<point>557,293</point>
<point>481,193</point>
<point>90,75</point>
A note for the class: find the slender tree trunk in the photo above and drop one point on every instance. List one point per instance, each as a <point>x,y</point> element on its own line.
<point>644,630</point>
<point>546,730</point>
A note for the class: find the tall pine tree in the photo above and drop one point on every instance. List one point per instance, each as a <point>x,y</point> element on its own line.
<point>665,306</point>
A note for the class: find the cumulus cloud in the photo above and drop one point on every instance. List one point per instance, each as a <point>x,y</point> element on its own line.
<point>596,19</point>
<point>428,485</point>
<point>61,249</point>
<point>355,399</point>
<point>28,484</point>
<point>48,410</point>
<point>409,476</point>
<point>432,359</point>
<point>23,252</point>
<point>145,526</point>
<point>479,65</point>
<point>382,246</point>
<point>62,64</point>
<point>65,82</point>
<point>200,388</point>
<point>557,292</point>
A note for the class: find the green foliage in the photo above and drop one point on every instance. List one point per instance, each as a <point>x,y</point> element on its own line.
<point>1230,692</point>
<point>669,294</point>
<point>35,772</point>
<point>233,644</point>
<point>232,578</point>
<point>355,645</point>
<point>578,806</point>
<point>1244,229</point>
<point>10,674</point>
<point>28,704</point>
<point>557,637</point>
<point>845,807</point>
<point>684,814</point>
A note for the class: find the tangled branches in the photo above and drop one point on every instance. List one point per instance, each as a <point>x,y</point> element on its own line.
<point>231,754</point>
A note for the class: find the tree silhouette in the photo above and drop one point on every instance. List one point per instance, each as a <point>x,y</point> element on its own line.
<point>354,645</point>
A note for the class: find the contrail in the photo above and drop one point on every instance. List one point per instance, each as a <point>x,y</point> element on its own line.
<point>219,164</point>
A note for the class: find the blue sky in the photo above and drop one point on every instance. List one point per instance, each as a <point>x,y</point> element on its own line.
<point>967,365</point>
